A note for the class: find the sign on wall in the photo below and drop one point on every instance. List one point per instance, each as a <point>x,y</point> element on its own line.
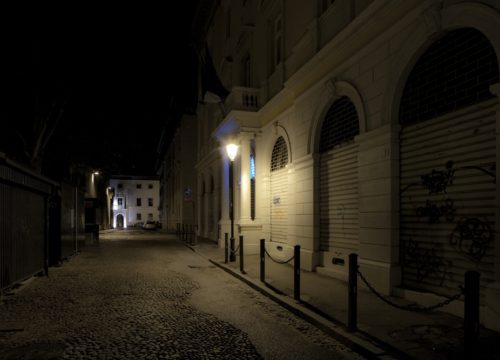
<point>188,195</point>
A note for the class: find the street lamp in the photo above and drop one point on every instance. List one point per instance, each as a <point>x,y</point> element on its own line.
<point>232,150</point>
<point>94,173</point>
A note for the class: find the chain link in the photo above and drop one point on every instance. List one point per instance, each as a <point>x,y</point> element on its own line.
<point>278,261</point>
<point>411,307</point>
<point>235,251</point>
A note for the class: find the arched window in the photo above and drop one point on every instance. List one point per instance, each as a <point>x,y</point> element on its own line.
<point>279,158</point>
<point>341,124</point>
<point>454,72</point>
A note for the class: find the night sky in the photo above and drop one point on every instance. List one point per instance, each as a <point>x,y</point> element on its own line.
<point>118,74</point>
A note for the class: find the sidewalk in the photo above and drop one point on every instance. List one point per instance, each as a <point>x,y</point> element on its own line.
<point>384,331</point>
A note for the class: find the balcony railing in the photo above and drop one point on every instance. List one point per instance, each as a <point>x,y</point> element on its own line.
<point>242,98</point>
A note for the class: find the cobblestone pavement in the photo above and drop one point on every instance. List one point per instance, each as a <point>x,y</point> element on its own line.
<point>146,296</point>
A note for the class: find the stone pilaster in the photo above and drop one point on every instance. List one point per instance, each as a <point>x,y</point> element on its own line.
<point>378,181</point>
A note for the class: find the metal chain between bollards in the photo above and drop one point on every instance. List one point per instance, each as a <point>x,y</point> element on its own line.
<point>235,251</point>
<point>278,261</point>
<point>411,307</point>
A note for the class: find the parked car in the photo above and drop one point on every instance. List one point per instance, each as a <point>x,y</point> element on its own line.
<point>149,225</point>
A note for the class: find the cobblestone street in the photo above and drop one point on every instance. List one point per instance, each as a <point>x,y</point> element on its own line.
<point>146,296</point>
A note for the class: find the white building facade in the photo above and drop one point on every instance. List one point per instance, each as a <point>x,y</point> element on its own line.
<point>135,200</point>
<point>364,127</point>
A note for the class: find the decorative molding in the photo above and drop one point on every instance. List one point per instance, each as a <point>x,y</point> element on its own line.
<point>432,20</point>
<point>331,88</point>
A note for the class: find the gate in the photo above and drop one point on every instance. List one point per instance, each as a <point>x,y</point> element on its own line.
<point>23,222</point>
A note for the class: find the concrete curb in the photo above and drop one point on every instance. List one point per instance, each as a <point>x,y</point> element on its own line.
<point>365,346</point>
<point>359,341</point>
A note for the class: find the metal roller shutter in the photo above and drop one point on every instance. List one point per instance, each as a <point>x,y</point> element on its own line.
<point>447,214</point>
<point>339,199</point>
<point>279,205</point>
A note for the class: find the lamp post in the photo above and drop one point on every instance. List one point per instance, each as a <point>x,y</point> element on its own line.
<point>232,150</point>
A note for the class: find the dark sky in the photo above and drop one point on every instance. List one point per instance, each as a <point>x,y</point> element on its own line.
<point>117,72</point>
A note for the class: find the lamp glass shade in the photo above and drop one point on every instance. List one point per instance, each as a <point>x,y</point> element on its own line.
<point>232,150</point>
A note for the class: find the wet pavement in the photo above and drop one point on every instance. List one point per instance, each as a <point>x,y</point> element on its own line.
<point>144,295</point>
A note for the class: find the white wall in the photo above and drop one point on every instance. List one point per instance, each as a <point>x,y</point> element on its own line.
<point>130,193</point>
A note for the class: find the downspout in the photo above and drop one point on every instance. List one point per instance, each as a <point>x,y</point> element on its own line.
<point>75,230</point>
<point>283,47</point>
<point>46,237</point>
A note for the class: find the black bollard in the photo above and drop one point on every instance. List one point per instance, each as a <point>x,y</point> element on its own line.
<point>352,300</point>
<point>241,255</point>
<point>471,313</point>
<point>296,272</point>
<point>262,260</point>
<point>195,235</point>
<point>232,255</point>
<point>226,255</point>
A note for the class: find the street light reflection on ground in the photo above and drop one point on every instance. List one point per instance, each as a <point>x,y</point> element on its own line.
<point>232,151</point>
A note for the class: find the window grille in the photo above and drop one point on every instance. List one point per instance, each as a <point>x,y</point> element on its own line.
<point>454,72</point>
<point>279,158</point>
<point>341,124</point>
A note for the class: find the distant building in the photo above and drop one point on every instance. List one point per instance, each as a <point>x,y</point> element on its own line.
<point>178,201</point>
<point>135,200</point>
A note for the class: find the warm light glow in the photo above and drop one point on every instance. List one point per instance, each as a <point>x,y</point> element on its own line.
<point>96,172</point>
<point>232,150</point>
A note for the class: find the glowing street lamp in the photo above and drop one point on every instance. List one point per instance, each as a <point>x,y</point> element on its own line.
<point>232,151</point>
<point>94,174</point>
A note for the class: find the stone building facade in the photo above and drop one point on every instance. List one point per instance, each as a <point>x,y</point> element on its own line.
<point>177,173</point>
<point>363,127</point>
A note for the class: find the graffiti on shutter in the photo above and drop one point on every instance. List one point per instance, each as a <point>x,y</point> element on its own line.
<point>447,215</point>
